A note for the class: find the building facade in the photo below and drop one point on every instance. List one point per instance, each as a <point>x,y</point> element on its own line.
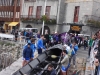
<point>9,12</point>
<point>79,11</point>
<point>59,13</point>
<point>33,13</point>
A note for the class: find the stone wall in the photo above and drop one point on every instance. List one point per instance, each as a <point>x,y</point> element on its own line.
<point>53,4</point>
<point>96,9</point>
<point>89,30</point>
<point>63,28</point>
<point>61,12</point>
<point>85,9</point>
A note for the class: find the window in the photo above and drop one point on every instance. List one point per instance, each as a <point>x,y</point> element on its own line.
<point>38,12</point>
<point>47,13</point>
<point>17,14</point>
<point>30,11</point>
<point>76,13</point>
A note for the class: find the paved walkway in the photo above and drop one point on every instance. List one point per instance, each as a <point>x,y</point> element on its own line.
<point>80,62</point>
<point>14,67</point>
<point>88,70</point>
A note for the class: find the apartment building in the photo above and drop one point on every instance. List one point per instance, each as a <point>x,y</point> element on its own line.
<point>33,11</point>
<point>9,14</point>
<point>78,12</point>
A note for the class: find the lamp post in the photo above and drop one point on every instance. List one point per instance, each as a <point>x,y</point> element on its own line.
<point>44,14</point>
<point>58,12</point>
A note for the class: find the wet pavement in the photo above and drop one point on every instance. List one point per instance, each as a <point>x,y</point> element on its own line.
<point>81,60</point>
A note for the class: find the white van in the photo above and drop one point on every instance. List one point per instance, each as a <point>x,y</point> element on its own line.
<point>35,30</point>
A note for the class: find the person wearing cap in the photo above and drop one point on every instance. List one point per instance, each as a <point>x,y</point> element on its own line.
<point>27,54</point>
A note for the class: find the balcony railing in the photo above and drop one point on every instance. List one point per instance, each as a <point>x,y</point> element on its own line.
<point>9,19</point>
<point>38,19</point>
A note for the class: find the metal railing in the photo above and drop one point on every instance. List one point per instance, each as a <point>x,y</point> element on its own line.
<point>36,16</point>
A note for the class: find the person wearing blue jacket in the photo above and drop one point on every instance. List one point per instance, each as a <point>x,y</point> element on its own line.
<point>40,46</point>
<point>74,48</point>
<point>32,46</point>
<point>27,54</point>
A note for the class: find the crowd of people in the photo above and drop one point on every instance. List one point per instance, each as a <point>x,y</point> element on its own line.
<point>94,53</point>
<point>45,41</point>
<point>71,43</point>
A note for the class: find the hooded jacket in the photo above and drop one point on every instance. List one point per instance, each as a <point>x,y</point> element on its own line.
<point>28,53</point>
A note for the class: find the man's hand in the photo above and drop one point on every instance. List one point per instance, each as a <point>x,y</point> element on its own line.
<point>95,52</point>
<point>96,62</point>
<point>31,59</point>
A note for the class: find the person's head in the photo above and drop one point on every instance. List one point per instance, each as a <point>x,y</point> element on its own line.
<point>50,67</point>
<point>95,36</point>
<point>74,42</point>
<point>64,52</point>
<point>29,44</point>
<point>64,47</point>
<point>33,41</point>
<point>98,34</point>
<point>42,36</point>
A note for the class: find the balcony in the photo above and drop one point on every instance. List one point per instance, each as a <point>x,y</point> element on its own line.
<point>92,20</point>
<point>38,19</point>
<point>6,19</point>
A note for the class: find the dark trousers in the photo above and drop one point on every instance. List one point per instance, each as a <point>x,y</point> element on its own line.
<point>89,51</point>
<point>39,51</point>
<point>16,38</point>
<point>96,70</point>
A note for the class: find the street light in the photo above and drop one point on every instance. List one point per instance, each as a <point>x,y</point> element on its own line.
<point>44,14</point>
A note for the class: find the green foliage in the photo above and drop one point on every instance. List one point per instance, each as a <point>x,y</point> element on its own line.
<point>51,21</point>
<point>35,20</point>
<point>44,18</point>
<point>93,23</point>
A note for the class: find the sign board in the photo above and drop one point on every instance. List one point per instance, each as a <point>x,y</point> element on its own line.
<point>75,28</point>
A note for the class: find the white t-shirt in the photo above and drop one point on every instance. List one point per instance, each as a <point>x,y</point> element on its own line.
<point>68,48</point>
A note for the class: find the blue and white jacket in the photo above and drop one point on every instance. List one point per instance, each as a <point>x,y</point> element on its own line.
<point>75,49</point>
<point>40,44</point>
